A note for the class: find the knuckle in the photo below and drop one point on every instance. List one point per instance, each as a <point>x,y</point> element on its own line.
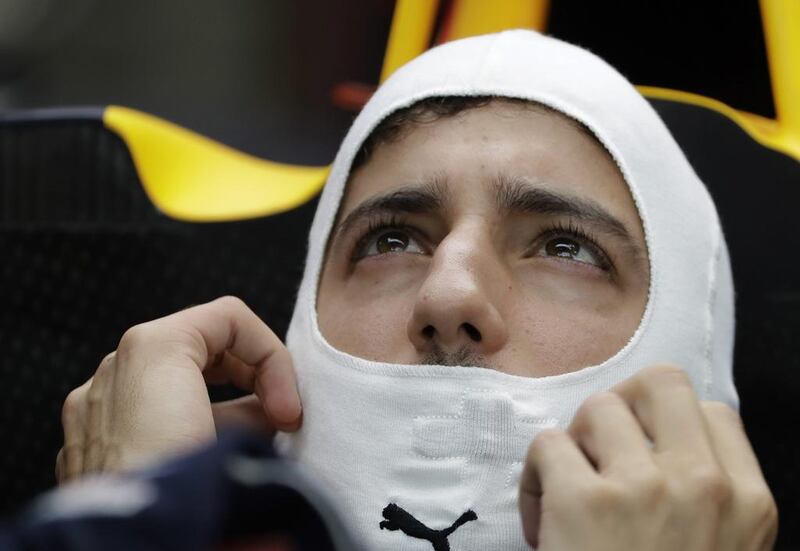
<point>108,359</point>
<point>600,400</point>
<point>589,410</point>
<point>111,460</point>
<point>94,397</point>
<point>134,337</point>
<point>711,485</point>
<point>760,504</point>
<point>543,442</point>
<point>59,467</point>
<point>186,342</point>
<point>768,510</point>
<point>71,406</point>
<point>668,374</point>
<point>649,486</point>
<point>722,411</point>
<point>601,498</point>
<point>107,363</point>
<point>231,301</point>
<point>141,340</point>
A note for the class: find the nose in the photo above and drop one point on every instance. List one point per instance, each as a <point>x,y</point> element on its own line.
<point>458,304</point>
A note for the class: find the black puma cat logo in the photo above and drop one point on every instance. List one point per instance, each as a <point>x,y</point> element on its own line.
<point>398,518</point>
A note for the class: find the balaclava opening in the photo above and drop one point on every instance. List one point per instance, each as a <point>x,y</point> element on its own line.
<point>421,456</point>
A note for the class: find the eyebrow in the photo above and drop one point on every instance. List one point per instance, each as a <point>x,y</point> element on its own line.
<point>518,196</point>
<point>511,196</point>
<point>429,197</point>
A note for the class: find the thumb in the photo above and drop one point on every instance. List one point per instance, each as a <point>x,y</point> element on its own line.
<point>274,391</point>
<point>246,411</point>
<point>530,504</point>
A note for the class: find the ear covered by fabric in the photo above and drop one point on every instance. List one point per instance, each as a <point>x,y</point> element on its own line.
<point>440,448</point>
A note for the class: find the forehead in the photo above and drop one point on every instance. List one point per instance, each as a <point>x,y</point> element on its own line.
<point>471,150</point>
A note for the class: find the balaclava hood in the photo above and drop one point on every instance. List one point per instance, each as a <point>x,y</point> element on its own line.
<point>422,457</point>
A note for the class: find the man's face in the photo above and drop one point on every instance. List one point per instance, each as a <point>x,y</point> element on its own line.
<point>502,237</point>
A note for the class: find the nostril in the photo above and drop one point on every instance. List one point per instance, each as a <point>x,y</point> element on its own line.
<point>428,331</point>
<point>473,333</point>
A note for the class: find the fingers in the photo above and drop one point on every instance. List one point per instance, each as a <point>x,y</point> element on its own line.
<point>553,464</point>
<point>695,485</point>
<point>72,420</point>
<point>264,366</point>
<point>96,418</point>
<point>148,399</point>
<point>753,507</point>
<point>732,448</point>
<point>607,431</point>
<point>277,389</point>
<point>245,411</point>
<point>59,472</point>
<point>713,477</point>
<point>231,369</point>
<point>664,402</point>
<point>227,368</point>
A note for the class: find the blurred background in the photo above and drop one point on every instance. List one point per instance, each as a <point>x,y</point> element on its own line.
<point>261,76</point>
<point>258,74</point>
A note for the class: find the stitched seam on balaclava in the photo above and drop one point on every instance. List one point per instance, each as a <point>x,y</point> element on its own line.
<point>708,368</point>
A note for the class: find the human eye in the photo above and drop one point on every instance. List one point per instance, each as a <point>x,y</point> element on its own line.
<point>387,236</point>
<point>573,244</point>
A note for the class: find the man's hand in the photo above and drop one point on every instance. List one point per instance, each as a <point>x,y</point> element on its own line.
<point>647,466</point>
<point>148,399</point>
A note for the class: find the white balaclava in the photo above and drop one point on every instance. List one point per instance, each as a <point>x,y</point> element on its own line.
<point>421,457</point>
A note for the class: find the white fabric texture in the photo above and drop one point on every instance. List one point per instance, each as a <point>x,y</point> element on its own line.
<point>438,441</point>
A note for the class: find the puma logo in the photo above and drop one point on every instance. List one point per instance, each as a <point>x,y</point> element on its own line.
<point>398,518</point>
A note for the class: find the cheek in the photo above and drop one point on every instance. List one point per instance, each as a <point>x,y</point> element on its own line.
<point>366,315</point>
<point>561,325</point>
<point>573,287</point>
<point>553,341</point>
